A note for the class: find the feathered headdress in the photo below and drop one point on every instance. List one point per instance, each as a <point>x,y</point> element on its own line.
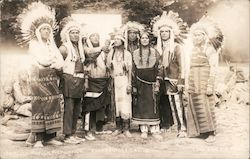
<point>211,30</point>
<point>131,26</point>
<point>173,22</point>
<point>117,33</point>
<point>178,29</point>
<point>29,21</point>
<point>68,24</point>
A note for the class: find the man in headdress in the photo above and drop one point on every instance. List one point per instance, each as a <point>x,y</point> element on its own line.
<point>170,31</point>
<point>37,24</point>
<point>96,98</point>
<point>131,32</point>
<point>207,40</point>
<point>73,77</point>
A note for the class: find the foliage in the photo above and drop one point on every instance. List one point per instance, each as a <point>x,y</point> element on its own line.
<point>142,10</point>
<point>134,10</point>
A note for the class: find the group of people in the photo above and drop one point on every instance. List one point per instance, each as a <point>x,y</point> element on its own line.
<point>140,83</point>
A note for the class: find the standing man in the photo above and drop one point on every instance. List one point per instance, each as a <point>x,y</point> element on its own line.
<point>207,40</point>
<point>46,61</point>
<point>72,78</point>
<point>170,31</point>
<point>131,32</point>
<point>96,98</point>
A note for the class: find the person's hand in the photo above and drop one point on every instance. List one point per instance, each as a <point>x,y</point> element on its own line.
<point>45,62</point>
<point>105,49</point>
<point>53,63</point>
<point>129,89</point>
<point>28,98</point>
<point>124,66</point>
<point>180,88</point>
<point>209,91</point>
<point>134,91</point>
<point>86,83</point>
<point>157,87</point>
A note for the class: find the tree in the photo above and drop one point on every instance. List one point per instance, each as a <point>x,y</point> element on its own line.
<point>134,10</point>
<point>11,8</point>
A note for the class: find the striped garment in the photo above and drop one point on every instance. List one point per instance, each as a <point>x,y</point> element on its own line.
<point>46,101</point>
<point>200,112</point>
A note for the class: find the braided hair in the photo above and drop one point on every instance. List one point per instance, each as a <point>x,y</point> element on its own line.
<point>148,46</point>
<point>113,54</point>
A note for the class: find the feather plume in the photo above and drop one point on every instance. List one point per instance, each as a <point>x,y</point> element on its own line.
<point>173,21</point>
<point>67,24</point>
<point>30,19</point>
<point>214,33</point>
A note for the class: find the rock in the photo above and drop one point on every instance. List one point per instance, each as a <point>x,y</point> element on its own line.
<point>23,109</point>
<point>6,118</point>
<point>22,125</point>
<point>12,135</point>
<point>18,137</point>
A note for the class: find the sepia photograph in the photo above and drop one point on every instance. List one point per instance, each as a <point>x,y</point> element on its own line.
<point>124,79</point>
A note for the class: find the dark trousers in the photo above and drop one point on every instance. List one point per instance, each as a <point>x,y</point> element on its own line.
<point>71,113</point>
<point>166,116</point>
<point>96,120</point>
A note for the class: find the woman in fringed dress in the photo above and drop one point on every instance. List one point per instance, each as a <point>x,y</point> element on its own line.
<point>147,74</point>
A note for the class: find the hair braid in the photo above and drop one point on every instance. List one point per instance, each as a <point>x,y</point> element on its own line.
<point>141,55</point>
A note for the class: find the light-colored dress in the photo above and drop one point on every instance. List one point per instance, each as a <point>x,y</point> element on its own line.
<point>119,73</point>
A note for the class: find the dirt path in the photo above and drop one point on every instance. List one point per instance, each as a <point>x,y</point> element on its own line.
<point>232,141</point>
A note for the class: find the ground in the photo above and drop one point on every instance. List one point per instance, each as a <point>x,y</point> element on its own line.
<point>232,141</point>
